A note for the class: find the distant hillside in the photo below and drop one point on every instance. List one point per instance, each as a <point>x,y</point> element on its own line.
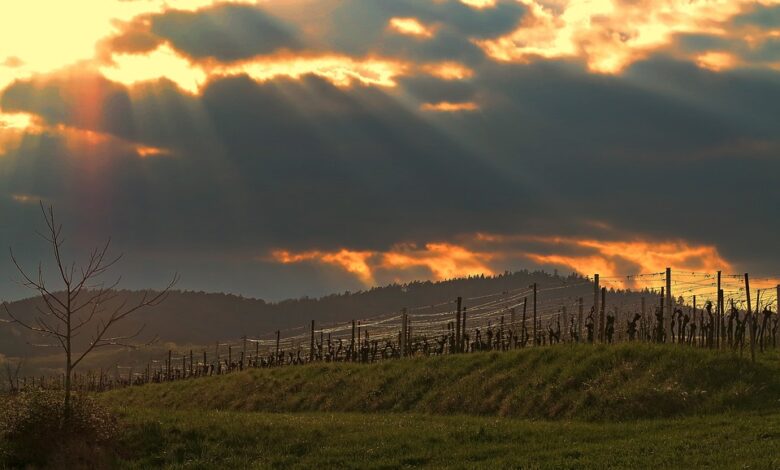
<point>201,318</point>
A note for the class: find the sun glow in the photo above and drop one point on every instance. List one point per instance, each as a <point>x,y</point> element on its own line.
<point>163,62</point>
<point>13,127</point>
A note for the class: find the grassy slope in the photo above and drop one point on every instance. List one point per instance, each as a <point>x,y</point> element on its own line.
<point>202,439</point>
<point>581,382</point>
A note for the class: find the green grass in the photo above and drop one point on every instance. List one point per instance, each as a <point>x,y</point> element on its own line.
<point>624,406</point>
<point>211,439</point>
<point>566,382</point>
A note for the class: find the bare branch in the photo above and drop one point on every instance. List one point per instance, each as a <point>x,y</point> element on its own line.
<point>84,300</point>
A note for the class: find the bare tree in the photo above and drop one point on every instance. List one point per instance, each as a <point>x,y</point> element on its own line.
<point>81,303</point>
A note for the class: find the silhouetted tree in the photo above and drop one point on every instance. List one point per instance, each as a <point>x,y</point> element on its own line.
<point>80,302</point>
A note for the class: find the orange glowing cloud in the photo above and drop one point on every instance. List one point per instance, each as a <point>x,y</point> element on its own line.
<point>609,258</point>
<point>145,151</point>
<point>13,127</point>
<point>717,61</point>
<point>479,4</point>
<point>164,62</point>
<point>355,262</point>
<point>609,35</point>
<point>341,70</point>
<point>448,71</point>
<point>410,27</point>
<point>481,253</point>
<point>25,198</point>
<point>442,260</point>
<point>448,107</point>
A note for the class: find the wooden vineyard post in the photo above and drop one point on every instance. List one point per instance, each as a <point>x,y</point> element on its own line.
<point>352,343</point>
<point>773,332</point>
<point>644,317</point>
<point>693,320</point>
<point>402,335</point>
<point>719,310</point>
<point>534,330</point>
<point>311,343</point>
<point>192,367</point>
<point>565,323</point>
<point>205,366</point>
<point>661,333</point>
<point>580,312</point>
<point>276,358</point>
<point>669,309</point>
<point>512,328</point>
<point>169,366</point>
<point>602,313</point>
<point>524,329</point>
<point>596,308</point>
<point>463,346</point>
<point>243,353</point>
<point>750,318</point>
<point>458,324</point>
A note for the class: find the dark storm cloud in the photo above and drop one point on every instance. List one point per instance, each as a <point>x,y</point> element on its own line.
<point>434,90</point>
<point>767,16</point>
<point>664,150</point>
<point>630,151</point>
<point>456,24</point>
<point>134,38</point>
<point>224,32</point>
<point>305,164</point>
<point>351,167</point>
<point>80,99</point>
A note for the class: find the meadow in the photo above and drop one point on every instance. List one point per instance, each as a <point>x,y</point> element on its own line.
<point>567,406</point>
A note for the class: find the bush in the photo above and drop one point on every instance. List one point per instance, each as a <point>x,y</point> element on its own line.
<point>32,426</point>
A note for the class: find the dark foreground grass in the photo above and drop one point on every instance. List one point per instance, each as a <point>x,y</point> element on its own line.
<point>210,439</point>
<point>623,382</point>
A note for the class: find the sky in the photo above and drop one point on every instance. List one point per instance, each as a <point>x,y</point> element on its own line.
<point>281,148</point>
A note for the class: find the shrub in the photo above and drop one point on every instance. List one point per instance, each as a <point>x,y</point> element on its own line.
<point>32,425</point>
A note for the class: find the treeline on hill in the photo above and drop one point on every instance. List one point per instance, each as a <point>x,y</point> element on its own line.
<point>201,318</point>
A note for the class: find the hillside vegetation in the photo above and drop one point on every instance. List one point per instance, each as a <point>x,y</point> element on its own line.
<point>192,318</point>
<point>621,382</point>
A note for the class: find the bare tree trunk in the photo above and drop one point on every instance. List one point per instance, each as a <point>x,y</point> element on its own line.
<point>68,374</point>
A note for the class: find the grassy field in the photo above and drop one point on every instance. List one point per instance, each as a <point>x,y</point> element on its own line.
<point>582,382</point>
<point>640,406</point>
<point>212,439</point>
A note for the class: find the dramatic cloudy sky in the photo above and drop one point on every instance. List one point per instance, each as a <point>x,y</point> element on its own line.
<point>289,147</point>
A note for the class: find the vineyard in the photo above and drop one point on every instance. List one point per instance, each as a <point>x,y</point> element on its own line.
<point>698,310</point>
